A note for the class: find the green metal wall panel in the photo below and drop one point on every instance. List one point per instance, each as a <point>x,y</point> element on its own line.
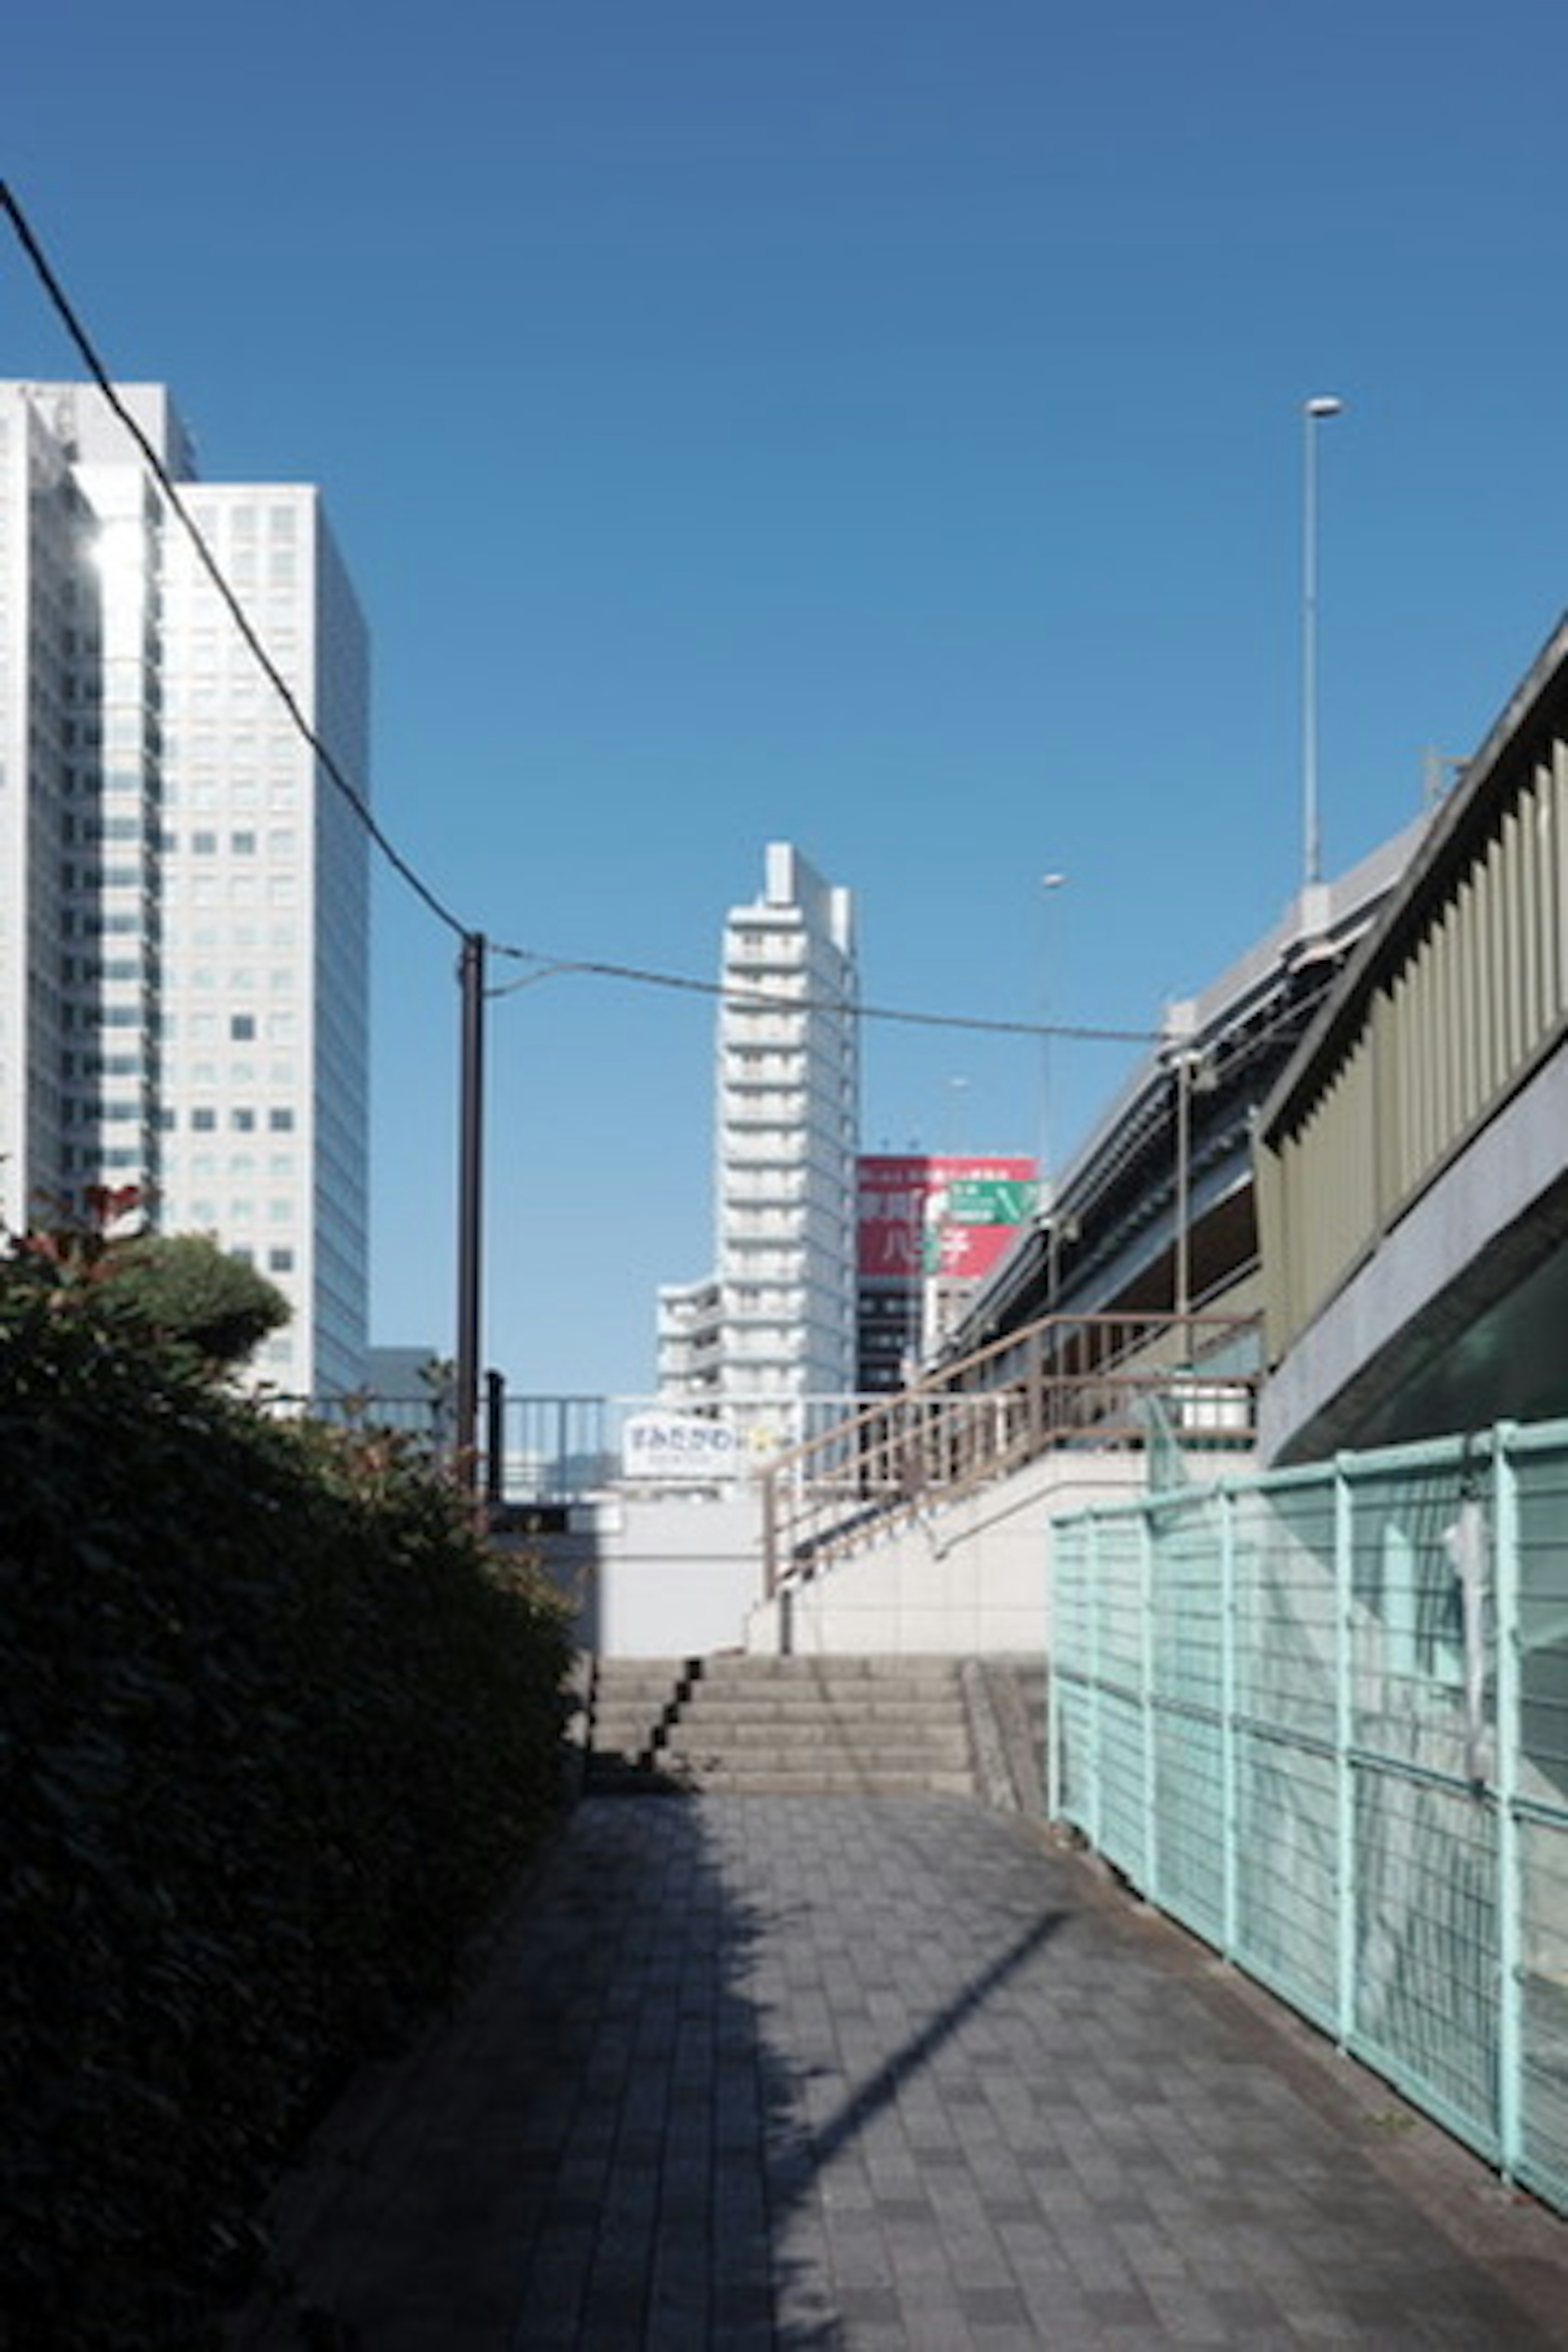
<point>1187,1821</point>
<point>1543,2162</point>
<point>1426,1947</point>
<point>1287,1882</point>
<point>1322,1718</point>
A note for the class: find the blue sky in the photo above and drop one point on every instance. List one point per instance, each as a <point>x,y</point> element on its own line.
<point>872,424</point>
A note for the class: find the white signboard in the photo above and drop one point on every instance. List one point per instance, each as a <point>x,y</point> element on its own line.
<point>679,1445</point>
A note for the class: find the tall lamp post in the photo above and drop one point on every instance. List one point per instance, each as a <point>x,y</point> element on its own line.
<point>1314,413</point>
<point>1045,1192</point>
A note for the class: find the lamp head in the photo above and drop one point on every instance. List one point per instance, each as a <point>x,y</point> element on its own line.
<point>1324,405</point>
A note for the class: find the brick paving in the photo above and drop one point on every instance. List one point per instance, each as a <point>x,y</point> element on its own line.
<point>747,2073</point>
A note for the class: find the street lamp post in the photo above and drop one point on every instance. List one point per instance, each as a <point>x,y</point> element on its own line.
<point>1045,1193</point>
<point>1314,413</point>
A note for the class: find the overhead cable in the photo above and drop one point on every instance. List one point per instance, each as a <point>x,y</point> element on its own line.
<point>770,1000</point>
<point>355,800</point>
<point>209,563</point>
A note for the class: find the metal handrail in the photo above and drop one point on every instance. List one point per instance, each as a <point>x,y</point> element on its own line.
<point>1066,1381</point>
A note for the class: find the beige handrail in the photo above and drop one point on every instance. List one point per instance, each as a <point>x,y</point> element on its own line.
<point>1068,1380</point>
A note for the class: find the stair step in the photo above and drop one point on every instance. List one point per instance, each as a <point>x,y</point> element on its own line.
<point>773,1782</point>
<point>714,1731</point>
<point>911,1755</point>
<point>727,1723</point>
<point>774,1699</point>
<point>694,1732</point>
<point>738,1724</point>
<point>724,1668</point>
<point>829,1669</point>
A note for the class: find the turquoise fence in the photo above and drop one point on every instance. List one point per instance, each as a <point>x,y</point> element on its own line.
<point>1322,1717</point>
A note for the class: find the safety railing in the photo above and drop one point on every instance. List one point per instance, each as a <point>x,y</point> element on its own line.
<point>1322,1717</point>
<point>566,1448</point>
<point>1068,1381</point>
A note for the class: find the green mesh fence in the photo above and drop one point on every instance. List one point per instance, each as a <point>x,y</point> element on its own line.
<point>1322,1717</point>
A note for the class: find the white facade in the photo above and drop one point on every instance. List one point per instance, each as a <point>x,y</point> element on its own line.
<point>183,895</point>
<point>777,1316</point>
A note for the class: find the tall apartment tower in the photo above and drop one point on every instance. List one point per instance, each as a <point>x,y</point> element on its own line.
<point>776,1318</point>
<point>183,895</point>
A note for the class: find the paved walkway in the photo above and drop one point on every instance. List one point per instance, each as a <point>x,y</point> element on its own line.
<point>748,2073</point>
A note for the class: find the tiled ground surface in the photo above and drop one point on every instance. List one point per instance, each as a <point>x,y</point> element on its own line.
<point>747,2073</point>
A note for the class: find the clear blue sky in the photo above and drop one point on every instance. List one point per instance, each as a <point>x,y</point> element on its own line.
<point>872,423</point>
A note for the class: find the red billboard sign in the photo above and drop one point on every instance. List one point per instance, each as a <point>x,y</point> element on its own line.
<point>949,1213</point>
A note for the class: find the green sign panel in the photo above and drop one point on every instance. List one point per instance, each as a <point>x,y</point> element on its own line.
<point>988,1200</point>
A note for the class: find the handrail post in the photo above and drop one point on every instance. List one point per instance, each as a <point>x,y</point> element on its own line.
<point>770,1535</point>
<point>495,1440</point>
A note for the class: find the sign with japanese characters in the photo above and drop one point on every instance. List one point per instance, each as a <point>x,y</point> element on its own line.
<point>679,1445</point>
<point>956,1213</point>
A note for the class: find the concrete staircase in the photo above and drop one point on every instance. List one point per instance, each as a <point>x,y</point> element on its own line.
<point>814,1726</point>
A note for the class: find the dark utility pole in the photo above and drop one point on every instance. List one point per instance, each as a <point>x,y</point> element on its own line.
<point>470,1188</point>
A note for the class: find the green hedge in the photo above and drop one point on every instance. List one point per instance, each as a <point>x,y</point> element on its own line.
<point>274,1732</point>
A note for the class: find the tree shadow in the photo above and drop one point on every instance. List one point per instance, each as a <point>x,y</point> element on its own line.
<point>608,2144</point>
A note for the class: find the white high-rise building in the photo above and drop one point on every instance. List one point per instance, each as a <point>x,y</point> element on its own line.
<point>184,891</point>
<point>777,1316</point>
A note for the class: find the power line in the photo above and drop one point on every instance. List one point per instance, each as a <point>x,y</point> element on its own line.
<point>772,1002</point>
<point>595,967</point>
<point>78,333</point>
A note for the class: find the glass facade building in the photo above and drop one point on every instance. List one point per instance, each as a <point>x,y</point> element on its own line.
<point>184,889</point>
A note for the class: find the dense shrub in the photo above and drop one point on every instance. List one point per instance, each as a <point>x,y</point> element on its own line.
<point>181,1290</point>
<point>274,1730</point>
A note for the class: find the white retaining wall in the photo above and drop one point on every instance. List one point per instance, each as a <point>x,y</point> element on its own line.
<point>969,1581</point>
<point>666,1576</point>
<point>678,1577</point>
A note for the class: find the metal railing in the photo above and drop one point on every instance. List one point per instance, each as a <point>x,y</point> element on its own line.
<point>1068,1381</point>
<point>561,1448</point>
<point>1321,1716</point>
<point>427,1419</point>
